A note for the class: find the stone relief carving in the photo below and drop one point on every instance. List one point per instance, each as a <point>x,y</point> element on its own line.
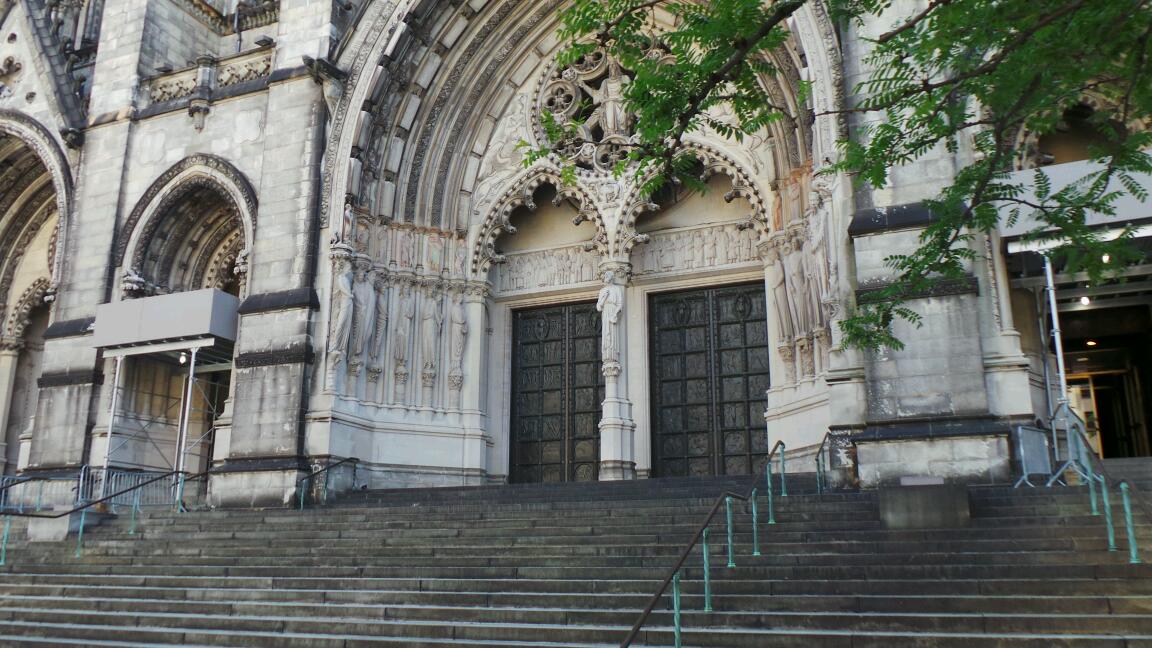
<point>546,269</point>
<point>693,249</point>
<point>406,308</point>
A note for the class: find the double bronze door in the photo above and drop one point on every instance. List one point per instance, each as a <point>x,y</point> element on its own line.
<point>709,364</point>
<point>557,390</point>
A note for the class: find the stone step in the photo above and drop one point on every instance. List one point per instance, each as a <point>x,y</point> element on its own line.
<point>275,631</point>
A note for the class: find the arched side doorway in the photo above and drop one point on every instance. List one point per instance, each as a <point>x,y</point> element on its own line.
<point>185,248</point>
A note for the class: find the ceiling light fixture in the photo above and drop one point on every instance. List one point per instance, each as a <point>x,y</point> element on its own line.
<point>1091,342</point>
<point>1084,301</point>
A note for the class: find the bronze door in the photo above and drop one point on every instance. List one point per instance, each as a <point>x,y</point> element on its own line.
<point>709,363</point>
<point>557,389</point>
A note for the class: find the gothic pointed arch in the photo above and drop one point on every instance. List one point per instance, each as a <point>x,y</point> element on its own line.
<point>192,228</point>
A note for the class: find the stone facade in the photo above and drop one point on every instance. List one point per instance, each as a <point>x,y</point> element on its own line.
<point>351,171</point>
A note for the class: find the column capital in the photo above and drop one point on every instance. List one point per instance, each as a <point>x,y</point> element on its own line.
<point>11,344</point>
<point>621,271</point>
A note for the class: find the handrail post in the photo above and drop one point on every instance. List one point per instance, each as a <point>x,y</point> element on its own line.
<point>1108,514</point>
<point>1133,550</point>
<point>783,473</point>
<point>676,608</point>
<point>771,504</point>
<point>755,526</point>
<point>1092,493</point>
<point>707,574</point>
<point>4,540</point>
<point>820,471</point>
<point>301,490</point>
<point>135,508</point>
<point>728,506</point>
<point>80,533</point>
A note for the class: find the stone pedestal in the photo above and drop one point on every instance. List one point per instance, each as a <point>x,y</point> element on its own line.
<point>617,428</point>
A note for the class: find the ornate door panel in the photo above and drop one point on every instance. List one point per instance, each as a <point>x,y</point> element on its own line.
<point>709,363</point>
<point>557,389</point>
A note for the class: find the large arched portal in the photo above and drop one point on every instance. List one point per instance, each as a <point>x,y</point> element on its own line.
<point>469,295</point>
<point>30,206</point>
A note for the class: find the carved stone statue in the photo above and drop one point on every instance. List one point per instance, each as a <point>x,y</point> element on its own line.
<point>459,333</point>
<point>610,113</point>
<point>364,294</point>
<point>780,304</point>
<point>431,322</point>
<point>343,307</point>
<point>380,331</point>
<point>610,303</point>
<point>798,291</point>
<point>406,308</point>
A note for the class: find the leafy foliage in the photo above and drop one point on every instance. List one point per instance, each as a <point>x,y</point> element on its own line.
<point>970,76</point>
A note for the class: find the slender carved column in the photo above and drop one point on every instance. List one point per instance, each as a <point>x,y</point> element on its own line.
<point>617,428</point>
<point>467,379</point>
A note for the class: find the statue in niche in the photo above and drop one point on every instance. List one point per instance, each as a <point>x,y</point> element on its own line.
<point>380,331</point>
<point>610,114</point>
<point>459,333</point>
<point>404,248</point>
<point>364,296</point>
<point>346,228</point>
<point>610,303</point>
<point>778,288</point>
<point>431,322</point>
<point>406,309</point>
<point>793,262</point>
<point>343,306</point>
<point>461,266</point>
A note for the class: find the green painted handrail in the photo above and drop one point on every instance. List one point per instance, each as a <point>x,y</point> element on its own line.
<point>672,579</point>
<point>1129,527</point>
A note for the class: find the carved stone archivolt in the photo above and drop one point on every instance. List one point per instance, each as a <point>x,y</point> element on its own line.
<point>226,243</point>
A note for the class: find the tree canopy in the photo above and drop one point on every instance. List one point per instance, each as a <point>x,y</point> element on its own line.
<point>972,76</point>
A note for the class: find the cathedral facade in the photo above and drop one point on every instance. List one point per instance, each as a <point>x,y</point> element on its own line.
<point>254,238</point>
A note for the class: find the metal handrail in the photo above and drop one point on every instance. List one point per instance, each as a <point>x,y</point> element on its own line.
<point>325,469</point>
<point>84,507</point>
<point>720,500</point>
<point>821,468</point>
<point>178,498</point>
<point>1098,467</point>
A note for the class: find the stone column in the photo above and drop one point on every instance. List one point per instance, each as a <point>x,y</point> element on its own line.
<point>9,355</point>
<point>470,383</point>
<point>617,428</point>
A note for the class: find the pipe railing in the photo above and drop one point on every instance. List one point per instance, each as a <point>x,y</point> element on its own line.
<point>9,486</point>
<point>700,537</point>
<point>1091,465</point>
<point>822,465</point>
<point>326,471</point>
<point>178,478</point>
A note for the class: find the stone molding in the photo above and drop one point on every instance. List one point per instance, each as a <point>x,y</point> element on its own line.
<point>70,328</point>
<point>281,300</point>
<point>968,285</point>
<point>301,354</point>
<point>67,378</point>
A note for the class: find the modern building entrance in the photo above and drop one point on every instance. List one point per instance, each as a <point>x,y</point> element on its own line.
<point>557,389</point>
<point>709,363</point>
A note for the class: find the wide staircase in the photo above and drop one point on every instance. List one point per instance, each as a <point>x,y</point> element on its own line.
<point>573,566</point>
